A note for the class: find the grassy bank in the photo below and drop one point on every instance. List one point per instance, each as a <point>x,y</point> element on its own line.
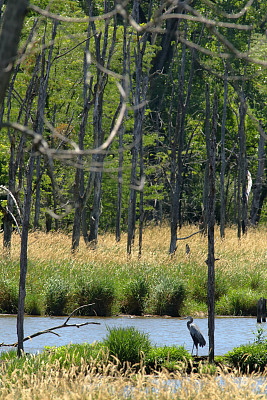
<point>126,366</point>
<point>58,280</point>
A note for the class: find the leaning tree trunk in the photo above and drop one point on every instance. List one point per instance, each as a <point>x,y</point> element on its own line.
<point>211,223</point>
<point>255,207</point>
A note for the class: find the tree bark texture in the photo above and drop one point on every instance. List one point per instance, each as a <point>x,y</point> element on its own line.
<point>242,168</point>
<point>44,78</point>
<point>223,162</point>
<point>211,223</point>
<point>23,253</point>
<point>255,207</point>
<point>12,24</point>
<point>206,174</point>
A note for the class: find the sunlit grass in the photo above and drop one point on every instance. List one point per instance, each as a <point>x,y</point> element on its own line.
<point>81,381</point>
<point>241,265</point>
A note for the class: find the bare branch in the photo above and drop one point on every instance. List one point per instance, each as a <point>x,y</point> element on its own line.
<point>51,330</point>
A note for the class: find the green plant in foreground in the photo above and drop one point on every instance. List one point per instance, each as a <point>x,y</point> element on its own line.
<point>127,344</point>
<point>249,358</point>
<point>171,358</point>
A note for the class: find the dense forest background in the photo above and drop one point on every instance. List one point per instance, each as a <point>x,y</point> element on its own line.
<point>124,106</point>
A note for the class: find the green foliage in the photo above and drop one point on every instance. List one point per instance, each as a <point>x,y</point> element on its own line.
<point>99,291</point>
<point>249,358</point>
<point>9,296</point>
<point>171,358</point>
<point>127,344</point>
<point>199,283</point>
<point>241,301</point>
<point>167,296</point>
<point>135,294</point>
<point>56,292</point>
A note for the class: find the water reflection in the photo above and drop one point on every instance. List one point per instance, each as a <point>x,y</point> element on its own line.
<point>229,332</point>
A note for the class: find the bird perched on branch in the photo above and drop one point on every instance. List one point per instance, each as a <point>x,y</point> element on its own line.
<point>196,334</point>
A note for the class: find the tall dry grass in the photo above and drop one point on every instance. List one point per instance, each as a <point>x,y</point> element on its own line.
<point>250,251</point>
<point>241,266</point>
<point>52,382</point>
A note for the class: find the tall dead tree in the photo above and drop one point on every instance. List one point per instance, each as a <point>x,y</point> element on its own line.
<point>223,162</point>
<point>178,144</point>
<point>211,222</point>
<point>206,174</point>
<point>11,28</point>
<point>39,125</point>
<point>258,185</point>
<point>242,205</point>
<point>80,196</point>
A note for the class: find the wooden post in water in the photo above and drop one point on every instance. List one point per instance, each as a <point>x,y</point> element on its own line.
<point>261,310</point>
<point>259,306</point>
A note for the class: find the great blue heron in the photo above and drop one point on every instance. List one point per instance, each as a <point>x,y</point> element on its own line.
<point>196,334</point>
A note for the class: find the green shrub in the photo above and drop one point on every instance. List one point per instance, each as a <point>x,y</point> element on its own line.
<point>33,303</point>
<point>97,291</point>
<point>200,284</point>
<point>249,358</point>
<point>172,358</point>
<point>167,296</point>
<point>238,302</point>
<point>9,296</point>
<point>56,291</point>
<point>127,344</point>
<point>134,296</point>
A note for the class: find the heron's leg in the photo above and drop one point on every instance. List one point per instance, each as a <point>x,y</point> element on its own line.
<point>193,347</point>
<point>197,350</point>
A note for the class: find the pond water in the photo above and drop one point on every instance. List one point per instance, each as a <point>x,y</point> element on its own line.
<point>229,332</point>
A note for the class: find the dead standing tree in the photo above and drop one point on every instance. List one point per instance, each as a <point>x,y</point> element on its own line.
<point>211,144</point>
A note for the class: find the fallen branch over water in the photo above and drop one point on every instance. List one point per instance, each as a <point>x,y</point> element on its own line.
<point>51,330</point>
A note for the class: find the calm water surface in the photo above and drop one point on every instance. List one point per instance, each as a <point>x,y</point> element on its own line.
<point>229,332</point>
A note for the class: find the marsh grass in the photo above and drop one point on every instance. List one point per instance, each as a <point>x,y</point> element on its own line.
<point>49,378</point>
<point>241,267</point>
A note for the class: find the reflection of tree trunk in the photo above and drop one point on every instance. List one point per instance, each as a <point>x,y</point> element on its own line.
<point>211,222</point>
<point>223,164</point>
<point>255,207</point>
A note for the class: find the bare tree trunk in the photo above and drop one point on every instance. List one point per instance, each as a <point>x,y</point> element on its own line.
<point>180,139</point>
<point>140,96</point>
<point>211,223</point>
<point>206,175</point>
<point>45,72</point>
<point>12,24</point>
<point>79,190</point>
<point>255,207</point>
<point>223,163</point>
<point>121,133</point>
<point>23,254</point>
<point>242,164</point>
